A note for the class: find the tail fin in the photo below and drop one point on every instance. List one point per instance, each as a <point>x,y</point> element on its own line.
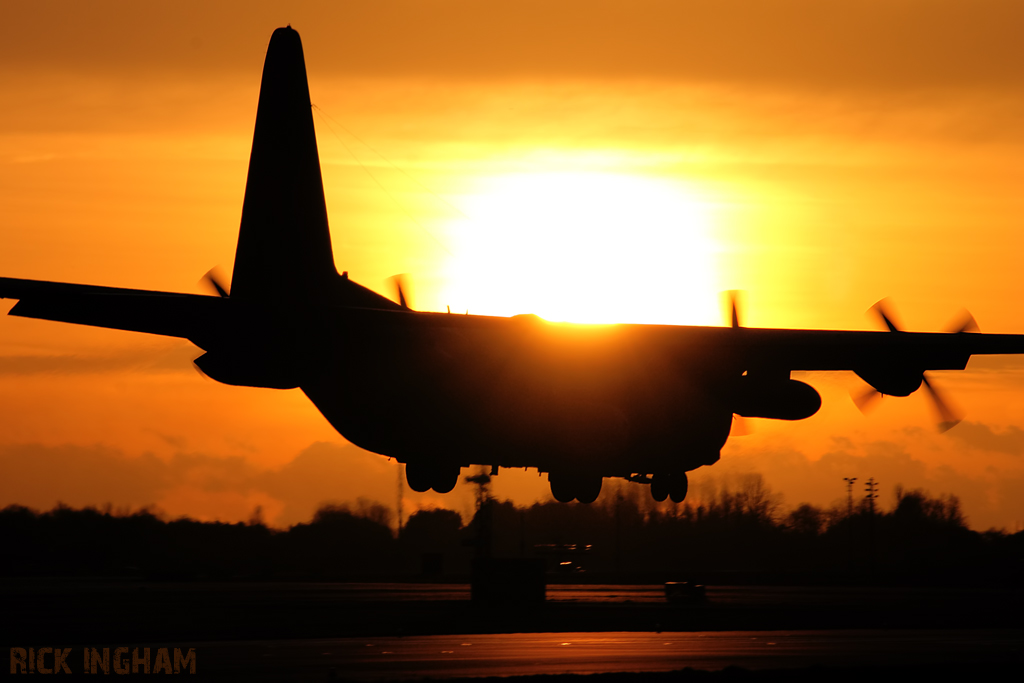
<point>284,244</point>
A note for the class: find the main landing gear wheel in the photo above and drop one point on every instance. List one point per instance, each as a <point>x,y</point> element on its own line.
<point>423,477</point>
<point>562,489</point>
<point>588,489</point>
<point>445,479</point>
<point>418,476</point>
<point>566,488</point>
<point>678,485</point>
<point>659,488</point>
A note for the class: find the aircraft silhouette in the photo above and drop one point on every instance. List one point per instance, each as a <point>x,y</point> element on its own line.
<point>439,391</point>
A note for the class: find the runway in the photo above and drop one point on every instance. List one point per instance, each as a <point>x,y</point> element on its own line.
<point>304,631</point>
<point>478,655</point>
<point>120,611</point>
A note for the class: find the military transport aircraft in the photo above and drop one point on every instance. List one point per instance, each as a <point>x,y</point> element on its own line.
<point>439,391</point>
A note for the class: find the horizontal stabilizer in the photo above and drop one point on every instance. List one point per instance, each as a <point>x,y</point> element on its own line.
<point>188,316</point>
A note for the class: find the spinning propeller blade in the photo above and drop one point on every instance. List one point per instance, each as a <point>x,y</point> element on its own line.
<point>732,299</point>
<point>964,322</point>
<point>741,426</point>
<point>866,400</point>
<point>213,279</point>
<point>948,418</point>
<point>882,310</point>
<point>401,285</point>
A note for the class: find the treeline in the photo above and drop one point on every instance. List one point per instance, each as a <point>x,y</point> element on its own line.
<point>734,535</point>
<point>742,534</point>
<point>338,543</point>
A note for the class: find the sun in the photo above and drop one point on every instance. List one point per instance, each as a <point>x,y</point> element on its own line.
<point>586,247</point>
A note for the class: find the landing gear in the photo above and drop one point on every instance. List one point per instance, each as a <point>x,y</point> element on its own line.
<point>672,486</point>
<point>659,488</point>
<point>588,488</point>
<point>446,478</point>
<point>568,487</point>
<point>678,486</point>
<point>562,488</point>
<point>423,476</point>
<point>418,476</point>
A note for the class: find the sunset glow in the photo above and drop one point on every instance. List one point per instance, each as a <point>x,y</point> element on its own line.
<point>573,160</point>
<point>587,247</point>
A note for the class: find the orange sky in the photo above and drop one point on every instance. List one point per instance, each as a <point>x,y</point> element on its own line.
<point>818,156</point>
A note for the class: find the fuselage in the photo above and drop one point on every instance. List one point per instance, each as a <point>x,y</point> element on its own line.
<point>522,392</point>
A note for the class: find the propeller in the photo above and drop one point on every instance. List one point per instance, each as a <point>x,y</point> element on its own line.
<point>401,284</point>
<point>867,399</point>
<point>948,416</point>
<point>741,426</point>
<point>964,322</point>
<point>213,279</point>
<point>880,309</point>
<point>732,300</point>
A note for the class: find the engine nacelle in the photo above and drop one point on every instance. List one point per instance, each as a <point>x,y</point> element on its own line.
<point>776,399</point>
<point>892,381</point>
<point>248,370</point>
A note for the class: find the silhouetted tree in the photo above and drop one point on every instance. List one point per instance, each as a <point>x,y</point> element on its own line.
<point>917,506</point>
<point>341,542</point>
<point>432,530</point>
<point>806,519</point>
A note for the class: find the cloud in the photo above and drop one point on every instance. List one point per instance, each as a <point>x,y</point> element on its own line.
<point>203,486</point>
<point>982,436</point>
<point>907,460</point>
<point>329,472</point>
<point>172,359</point>
<point>894,44</point>
<point>820,481</point>
<point>40,476</point>
<point>210,487</point>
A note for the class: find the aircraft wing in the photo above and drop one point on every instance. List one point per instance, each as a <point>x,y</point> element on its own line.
<point>745,348</point>
<point>852,350</point>
<point>136,310</point>
<point>194,317</point>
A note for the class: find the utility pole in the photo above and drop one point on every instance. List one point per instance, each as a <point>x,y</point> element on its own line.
<point>849,495</point>
<point>872,489</point>
<point>484,512</point>
<point>618,528</point>
<point>401,492</point>
<point>849,520</point>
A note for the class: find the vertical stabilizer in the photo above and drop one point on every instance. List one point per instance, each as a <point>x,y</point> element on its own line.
<point>284,244</point>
